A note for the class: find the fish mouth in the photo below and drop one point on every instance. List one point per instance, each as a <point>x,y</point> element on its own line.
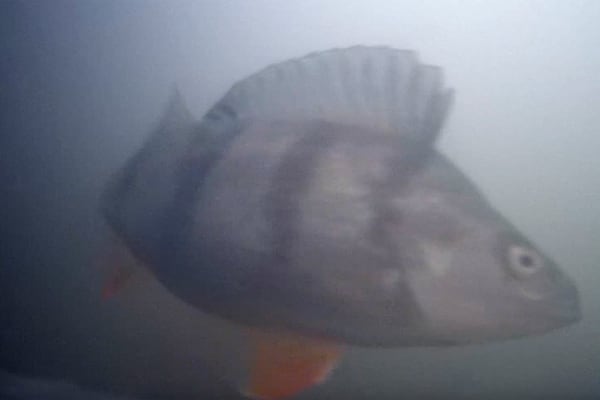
<point>561,308</point>
<point>569,312</point>
<point>562,312</point>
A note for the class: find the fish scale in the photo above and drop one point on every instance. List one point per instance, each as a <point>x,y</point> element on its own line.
<point>311,205</point>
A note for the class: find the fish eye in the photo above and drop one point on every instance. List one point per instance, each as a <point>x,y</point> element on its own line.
<point>524,260</point>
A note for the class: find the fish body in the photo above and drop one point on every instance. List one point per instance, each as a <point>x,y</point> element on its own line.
<point>311,199</point>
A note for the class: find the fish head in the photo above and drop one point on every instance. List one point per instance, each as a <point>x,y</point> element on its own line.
<point>474,276</point>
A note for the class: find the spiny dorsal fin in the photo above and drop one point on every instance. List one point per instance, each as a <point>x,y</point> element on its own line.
<point>373,87</point>
<point>176,114</point>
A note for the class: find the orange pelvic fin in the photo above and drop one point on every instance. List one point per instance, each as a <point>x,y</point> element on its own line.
<point>284,364</point>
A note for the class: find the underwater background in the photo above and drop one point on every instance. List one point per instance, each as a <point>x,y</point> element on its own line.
<point>82,84</point>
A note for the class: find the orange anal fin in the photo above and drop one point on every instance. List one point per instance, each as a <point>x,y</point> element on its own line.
<point>119,266</point>
<point>282,365</point>
<point>116,281</point>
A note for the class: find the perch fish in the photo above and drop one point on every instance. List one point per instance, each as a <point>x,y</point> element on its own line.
<point>311,207</point>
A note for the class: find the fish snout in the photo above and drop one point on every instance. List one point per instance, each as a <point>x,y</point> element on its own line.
<point>565,306</point>
<point>569,309</point>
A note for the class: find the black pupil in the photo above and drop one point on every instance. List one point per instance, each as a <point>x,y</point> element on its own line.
<point>526,260</point>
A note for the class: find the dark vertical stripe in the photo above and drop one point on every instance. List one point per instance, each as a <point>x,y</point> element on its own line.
<point>290,183</point>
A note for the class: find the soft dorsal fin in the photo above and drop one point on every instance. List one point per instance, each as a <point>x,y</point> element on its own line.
<point>373,87</point>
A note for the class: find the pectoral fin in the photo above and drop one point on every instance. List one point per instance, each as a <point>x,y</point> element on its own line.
<point>282,365</point>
